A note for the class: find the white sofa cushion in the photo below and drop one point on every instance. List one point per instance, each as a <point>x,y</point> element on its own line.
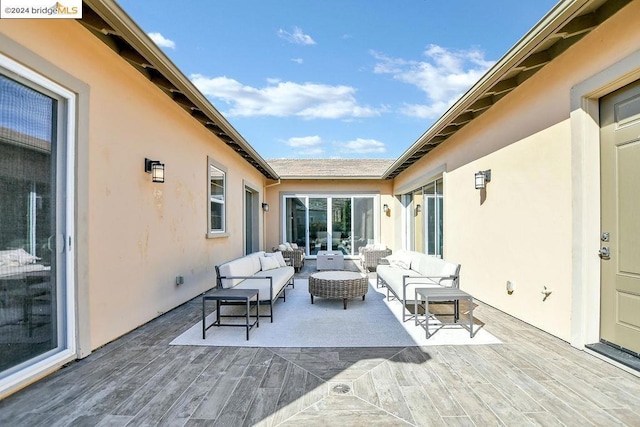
<point>280,277</point>
<point>245,266</point>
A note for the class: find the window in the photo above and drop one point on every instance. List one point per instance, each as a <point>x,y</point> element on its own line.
<point>217,197</point>
<point>425,219</point>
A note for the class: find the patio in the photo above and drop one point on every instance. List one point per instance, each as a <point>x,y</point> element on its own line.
<point>139,379</point>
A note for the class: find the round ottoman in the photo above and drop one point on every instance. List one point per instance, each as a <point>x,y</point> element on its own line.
<point>338,284</point>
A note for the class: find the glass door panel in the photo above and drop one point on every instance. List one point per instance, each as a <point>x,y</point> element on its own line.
<point>418,221</point>
<point>29,314</point>
<point>341,225</point>
<point>433,217</point>
<point>296,221</point>
<point>363,223</point>
<point>318,236</point>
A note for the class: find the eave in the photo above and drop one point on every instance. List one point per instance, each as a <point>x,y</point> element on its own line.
<point>108,22</point>
<point>567,23</point>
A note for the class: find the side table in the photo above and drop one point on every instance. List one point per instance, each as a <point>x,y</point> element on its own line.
<point>327,260</point>
<point>218,295</point>
<point>442,294</point>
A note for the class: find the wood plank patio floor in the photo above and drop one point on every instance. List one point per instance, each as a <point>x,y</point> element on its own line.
<point>139,379</point>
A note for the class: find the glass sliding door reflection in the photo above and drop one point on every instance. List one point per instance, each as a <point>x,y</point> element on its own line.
<point>433,196</point>
<point>318,236</point>
<point>29,316</point>
<point>418,221</point>
<point>341,225</point>
<point>363,223</point>
<point>296,221</point>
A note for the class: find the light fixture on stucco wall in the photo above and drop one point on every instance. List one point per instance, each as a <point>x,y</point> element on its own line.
<point>155,168</point>
<point>482,178</point>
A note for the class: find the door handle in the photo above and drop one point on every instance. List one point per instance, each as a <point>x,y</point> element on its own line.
<point>605,252</point>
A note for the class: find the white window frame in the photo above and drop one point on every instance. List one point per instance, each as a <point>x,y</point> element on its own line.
<point>212,165</point>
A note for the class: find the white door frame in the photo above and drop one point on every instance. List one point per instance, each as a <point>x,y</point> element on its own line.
<point>585,160</point>
<point>66,350</point>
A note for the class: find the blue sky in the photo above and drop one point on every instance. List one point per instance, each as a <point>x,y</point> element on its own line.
<point>334,79</point>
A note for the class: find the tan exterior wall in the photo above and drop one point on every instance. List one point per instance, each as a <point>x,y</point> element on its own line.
<point>522,231</point>
<point>273,219</point>
<point>140,235</point>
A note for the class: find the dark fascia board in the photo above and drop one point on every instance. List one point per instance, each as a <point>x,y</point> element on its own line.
<point>552,23</point>
<point>119,23</point>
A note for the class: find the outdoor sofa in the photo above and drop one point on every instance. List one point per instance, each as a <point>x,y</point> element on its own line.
<point>408,270</point>
<point>266,272</point>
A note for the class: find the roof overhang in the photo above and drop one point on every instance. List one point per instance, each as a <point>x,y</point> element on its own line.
<point>567,23</point>
<point>107,21</point>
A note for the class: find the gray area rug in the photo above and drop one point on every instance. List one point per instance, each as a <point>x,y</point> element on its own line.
<point>374,322</point>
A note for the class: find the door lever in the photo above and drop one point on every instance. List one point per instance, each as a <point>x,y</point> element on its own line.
<point>605,252</point>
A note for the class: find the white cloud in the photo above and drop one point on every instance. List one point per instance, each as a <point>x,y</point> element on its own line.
<point>306,145</point>
<point>363,146</point>
<point>284,99</point>
<point>304,141</point>
<point>443,76</point>
<point>297,37</point>
<point>297,60</point>
<point>161,41</point>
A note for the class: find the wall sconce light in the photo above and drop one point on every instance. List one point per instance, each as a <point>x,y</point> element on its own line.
<point>155,168</point>
<point>482,178</point>
<point>265,207</point>
<point>385,208</point>
<point>418,209</point>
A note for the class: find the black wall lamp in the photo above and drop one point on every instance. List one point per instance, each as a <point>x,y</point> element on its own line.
<point>265,207</point>
<point>155,168</point>
<point>482,178</point>
<point>418,209</point>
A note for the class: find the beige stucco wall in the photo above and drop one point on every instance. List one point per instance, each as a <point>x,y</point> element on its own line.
<point>274,195</point>
<point>140,235</point>
<point>522,231</point>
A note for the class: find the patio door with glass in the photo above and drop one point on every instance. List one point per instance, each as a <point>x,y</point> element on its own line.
<point>35,290</point>
<point>340,223</point>
<point>425,219</point>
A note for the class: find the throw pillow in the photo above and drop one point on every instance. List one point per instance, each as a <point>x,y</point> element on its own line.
<point>400,260</point>
<point>268,263</point>
<point>279,257</point>
<point>294,245</point>
<point>282,247</point>
<point>288,245</point>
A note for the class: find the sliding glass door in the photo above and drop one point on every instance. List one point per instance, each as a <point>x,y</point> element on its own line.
<point>36,313</point>
<point>295,218</point>
<point>425,218</point>
<point>340,223</point>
